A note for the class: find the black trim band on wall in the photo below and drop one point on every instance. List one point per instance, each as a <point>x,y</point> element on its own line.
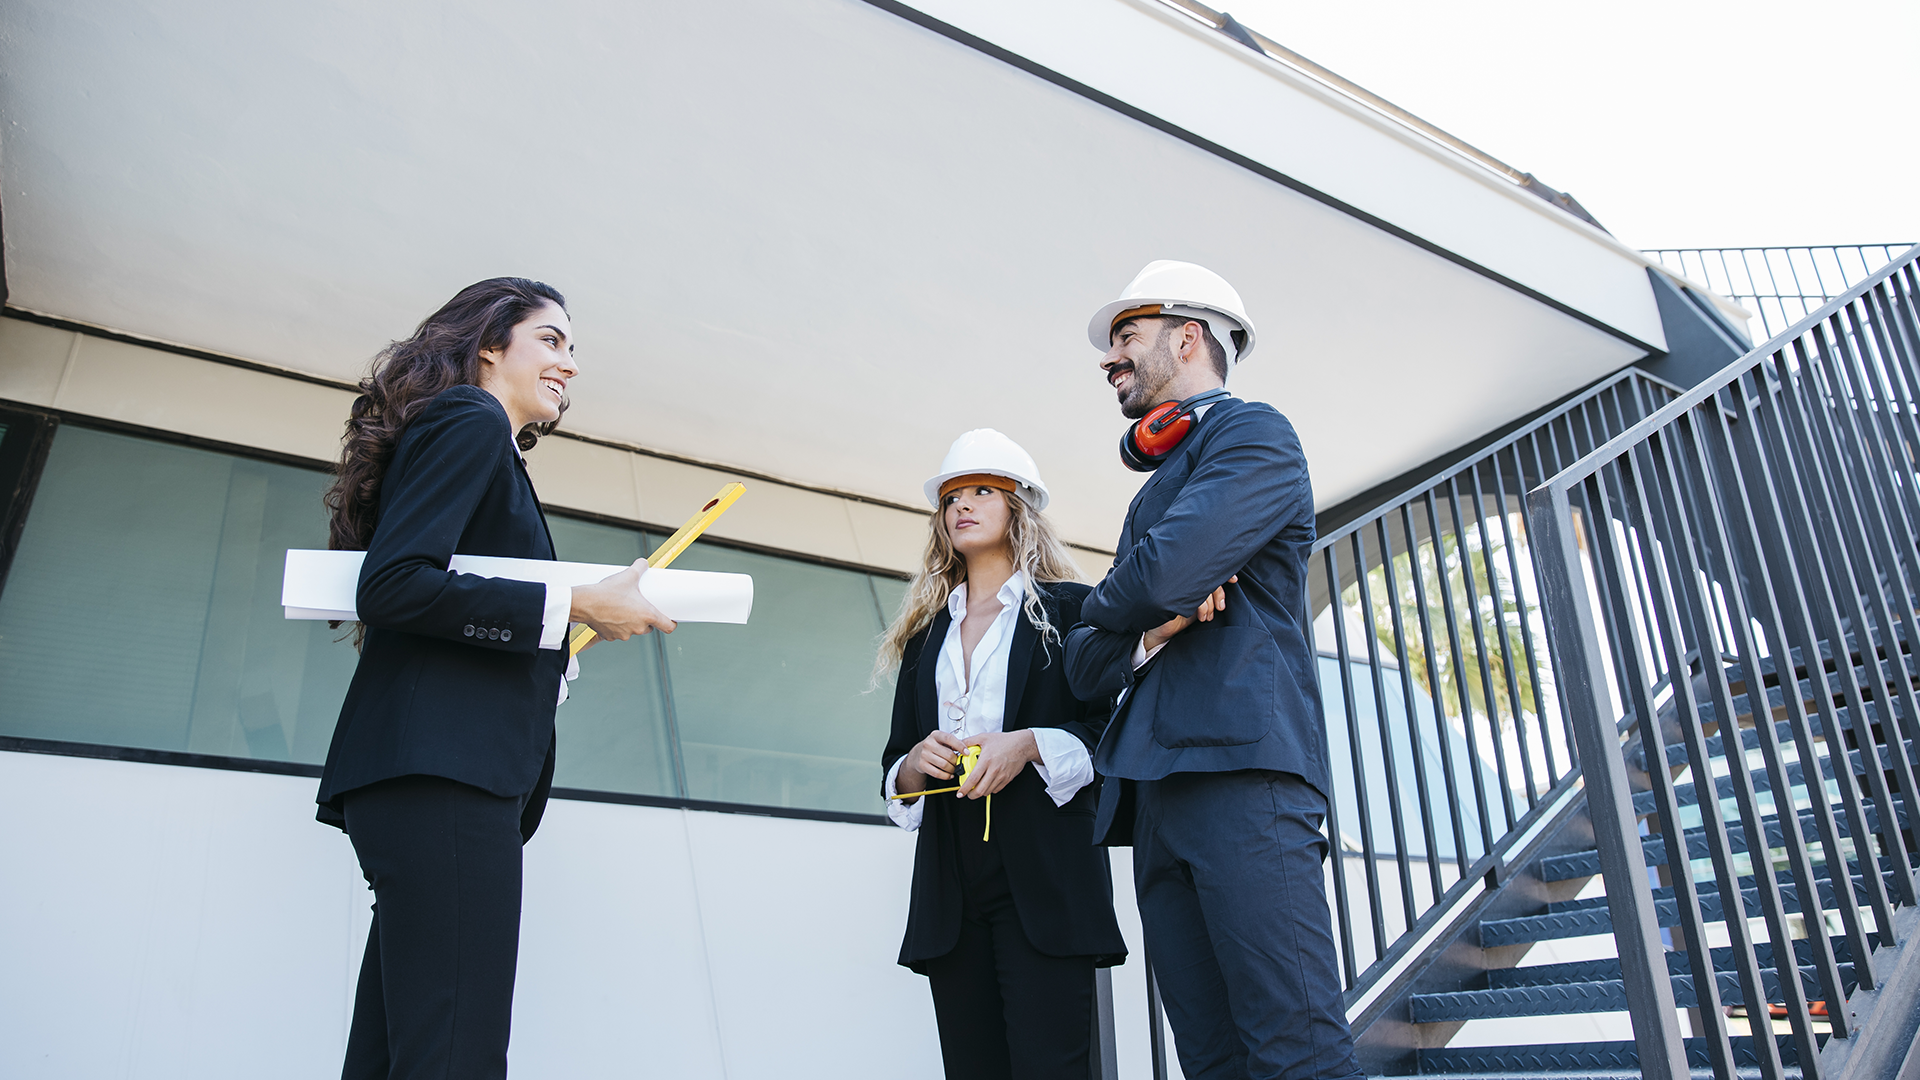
<point>1108,101</point>
<point>57,748</point>
<point>55,417</point>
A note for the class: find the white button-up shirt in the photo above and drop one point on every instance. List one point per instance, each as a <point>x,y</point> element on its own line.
<point>974,702</point>
<point>553,617</point>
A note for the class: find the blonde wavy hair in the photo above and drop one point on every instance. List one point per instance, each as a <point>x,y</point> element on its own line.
<point>1037,552</point>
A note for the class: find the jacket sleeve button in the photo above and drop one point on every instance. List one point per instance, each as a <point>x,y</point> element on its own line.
<point>469,629</point>
<point>494,634</point>
<point>506,635</point>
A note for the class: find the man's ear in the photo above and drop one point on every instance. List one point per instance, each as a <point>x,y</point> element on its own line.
<point>1193,342</point>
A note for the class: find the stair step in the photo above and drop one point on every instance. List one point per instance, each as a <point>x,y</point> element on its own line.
<point>1579,864</point>
<point>1769,670</point>
<point>1580,918</point>
<point>1607,968</point>
<point>1688,794</point>
<point>1582,1059</point>
<point>1569,999</point>
<point>1783,731</point>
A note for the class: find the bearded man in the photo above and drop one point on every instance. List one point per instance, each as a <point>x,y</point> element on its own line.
<point>1216,755</point>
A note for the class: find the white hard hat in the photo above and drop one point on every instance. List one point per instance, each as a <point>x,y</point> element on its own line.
<point>1183,290</point>
<point>984,451</point>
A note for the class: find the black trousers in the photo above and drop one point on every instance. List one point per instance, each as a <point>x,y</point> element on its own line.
<point>1006,1011</point>
<point>435,997</point>
<point>1233,902</point>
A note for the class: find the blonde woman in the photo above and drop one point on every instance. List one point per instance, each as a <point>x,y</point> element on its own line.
<point>1007,928</point>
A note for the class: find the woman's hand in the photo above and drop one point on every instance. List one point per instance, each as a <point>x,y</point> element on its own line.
<point>1215,602</point>
<point>1002,755</point>
<point>932,758</point>
<point>614,607</point>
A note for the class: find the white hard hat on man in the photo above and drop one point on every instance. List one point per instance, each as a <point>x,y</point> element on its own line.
<point>1168,287</point>
<point>992,459</point>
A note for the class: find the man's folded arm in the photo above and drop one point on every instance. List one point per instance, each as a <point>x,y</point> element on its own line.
<point>1252,481</point>
<point>1099,662</point>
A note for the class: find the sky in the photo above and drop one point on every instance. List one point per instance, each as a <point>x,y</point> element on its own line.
<point>1681,123</point>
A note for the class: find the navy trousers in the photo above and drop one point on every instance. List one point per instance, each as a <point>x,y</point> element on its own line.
<point>1228,871</point>
<point>1006,1011</point>
<point>435,997</point>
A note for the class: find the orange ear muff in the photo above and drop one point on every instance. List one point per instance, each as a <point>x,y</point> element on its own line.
<point>1148,441</point>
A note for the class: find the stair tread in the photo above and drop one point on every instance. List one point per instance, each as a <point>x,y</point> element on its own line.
<point>1591,1058</point>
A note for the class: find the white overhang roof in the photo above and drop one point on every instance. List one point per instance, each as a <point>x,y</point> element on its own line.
<point>812,238</point>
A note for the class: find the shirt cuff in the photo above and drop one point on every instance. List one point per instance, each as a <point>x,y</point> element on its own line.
<point>1064,765</point>
<point>1142,654</point>
<point>553,621</point>
<point>900,811</point>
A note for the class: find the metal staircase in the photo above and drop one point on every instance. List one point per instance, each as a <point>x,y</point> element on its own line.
<point>1537,663</point>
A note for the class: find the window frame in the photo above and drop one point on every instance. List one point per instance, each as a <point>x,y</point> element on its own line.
<point>23,457</point>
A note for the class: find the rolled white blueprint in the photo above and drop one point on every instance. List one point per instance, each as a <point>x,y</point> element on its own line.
<point>323,584</point>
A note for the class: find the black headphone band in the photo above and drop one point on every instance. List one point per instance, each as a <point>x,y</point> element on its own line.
<point>1198,401</point>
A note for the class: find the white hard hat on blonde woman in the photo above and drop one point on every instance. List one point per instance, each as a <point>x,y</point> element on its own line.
<point>990,456</point>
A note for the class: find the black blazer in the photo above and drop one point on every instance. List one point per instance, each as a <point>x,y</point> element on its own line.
<point>1241,691</point>
<point>452,681</point>
<point>1062,885</point>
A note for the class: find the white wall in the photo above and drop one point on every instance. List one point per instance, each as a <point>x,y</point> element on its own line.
<point>169,922</point>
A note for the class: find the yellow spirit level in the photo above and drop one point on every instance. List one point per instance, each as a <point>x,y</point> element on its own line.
<point>669,551</point>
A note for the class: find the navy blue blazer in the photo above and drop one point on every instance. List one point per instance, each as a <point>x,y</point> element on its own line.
<point>1062,885</point>
<point>452,681</point>
<point>1238,692</point>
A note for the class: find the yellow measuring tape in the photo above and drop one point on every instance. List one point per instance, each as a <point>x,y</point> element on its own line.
<point>966,759</point>
<point>671,550</point>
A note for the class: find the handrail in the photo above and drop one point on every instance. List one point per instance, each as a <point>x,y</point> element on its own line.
<point>1768,517</point>
<point>1720,380</point>
<point>1443,721</point>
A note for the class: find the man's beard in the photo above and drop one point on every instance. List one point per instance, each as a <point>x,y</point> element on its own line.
<point>1150,379</point>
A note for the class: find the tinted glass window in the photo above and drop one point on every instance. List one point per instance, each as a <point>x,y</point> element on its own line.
<point>142,609</point>
<point>143,605</point>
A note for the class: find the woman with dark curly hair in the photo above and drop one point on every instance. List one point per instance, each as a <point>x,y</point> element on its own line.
<point>443,753</point>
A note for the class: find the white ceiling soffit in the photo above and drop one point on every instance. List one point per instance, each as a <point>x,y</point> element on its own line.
<point>1216,88</point>
<point>804,237</point>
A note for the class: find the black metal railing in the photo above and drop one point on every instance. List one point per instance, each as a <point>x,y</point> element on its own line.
<point>1731,589</point>
<point>1447,736</point>
<point>1779,286</point>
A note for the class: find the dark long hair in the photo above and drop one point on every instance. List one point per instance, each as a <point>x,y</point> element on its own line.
<point>444,351</point>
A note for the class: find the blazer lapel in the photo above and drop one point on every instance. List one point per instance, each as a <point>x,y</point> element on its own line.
<point>1019,662</point>
<point>1186,447</point>
<point>928,694</point>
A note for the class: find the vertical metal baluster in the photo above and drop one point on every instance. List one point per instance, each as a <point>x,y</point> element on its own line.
<point>1458,659</point>
<point>1891,539</point>
<point>1336,849</point>
<point>1576,641</point>
<point>1688,592</point>
<point>1859,518</point>
<point>1546,624</point>
<point>1358,755</point>
<point>1645,534</point>
<point>1480,652</point>
<point>1817,618</point>
<point>1390,580</point>
<point>1843,593</point>
<point>1388,766</point>
<point>1760,531</point>
<point>1441,730</point>
<point>1720,509</point>
<point>1500,617</point>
